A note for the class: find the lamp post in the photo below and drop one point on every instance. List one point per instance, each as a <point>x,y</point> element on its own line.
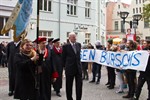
<point>136,19</point>
<point>124,15</point>
<point>134,23</point>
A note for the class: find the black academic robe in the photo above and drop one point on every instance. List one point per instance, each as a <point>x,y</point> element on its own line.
<point>12,49</point>
<point>45,76</point>
<point>25,77</point>
<point>57,63</point>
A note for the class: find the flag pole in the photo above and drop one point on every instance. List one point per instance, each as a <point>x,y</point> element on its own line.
<point>37,21</point>
<point>37,36</point>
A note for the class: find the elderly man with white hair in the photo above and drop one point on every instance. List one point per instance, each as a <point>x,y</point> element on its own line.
<point>72,64</point>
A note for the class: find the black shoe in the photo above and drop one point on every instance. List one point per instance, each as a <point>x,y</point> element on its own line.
<point>127,96</point>
<point>111,87</point>
<point>107,84</point>
<point>58,94</point>
<point>10,93</point>
<point>87,78</point>
<point>97,82</point>
<point>92,81</point>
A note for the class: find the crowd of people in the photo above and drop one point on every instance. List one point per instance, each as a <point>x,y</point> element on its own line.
<point>125,77</point>
<point>36,66</point>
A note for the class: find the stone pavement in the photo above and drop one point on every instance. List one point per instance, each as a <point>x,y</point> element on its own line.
<point>90,91</point>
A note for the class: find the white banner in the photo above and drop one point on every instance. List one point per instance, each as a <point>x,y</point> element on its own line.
<point>136,60</point>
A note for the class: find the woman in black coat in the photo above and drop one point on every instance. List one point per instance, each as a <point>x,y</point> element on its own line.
<point>57,63</point>
<point>25,72</point>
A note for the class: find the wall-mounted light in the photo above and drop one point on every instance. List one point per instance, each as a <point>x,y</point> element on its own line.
<point>32,25</point>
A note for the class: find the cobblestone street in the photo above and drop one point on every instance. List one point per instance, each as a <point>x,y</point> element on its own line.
<point>90,91</point>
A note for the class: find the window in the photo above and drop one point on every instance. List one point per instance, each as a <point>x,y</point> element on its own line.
<point>140,10</point>
<point>87,9</point>
<point>147,38</point>
<point>136,1</point>
<point>118,6</point>
<point>101,17</point>
<point>3,21</point>
<point>136,10</point>
<point>116,25</point>
<point>146,24</point>
<point>139,1</point>
<point>72,7</point>
<point>45,5</point>
<point>45,33</point>
<point>143,1</point>
<point>87,38</point>
<point>133,11</point>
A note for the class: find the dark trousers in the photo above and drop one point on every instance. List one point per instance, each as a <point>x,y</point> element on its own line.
<point>131,76</point>
<point>141,81</point>
<point>27,99</point>
<point>96,70</point>
<point>69,84</point>
<point>11,79</point>
<point>84,70</point>
<point>111,76</point>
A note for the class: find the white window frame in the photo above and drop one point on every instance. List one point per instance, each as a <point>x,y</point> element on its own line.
<point>47,9</point>
<point>87,9</point>
<point>87,38</point>
<point>42,32</point>
<point>4,35</point>
<point>71,3</point>
<point>116,23</point>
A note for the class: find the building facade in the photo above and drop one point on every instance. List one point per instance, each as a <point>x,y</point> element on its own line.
<point>115,27</point>
<point>143,29</point>
<point>59,17</point>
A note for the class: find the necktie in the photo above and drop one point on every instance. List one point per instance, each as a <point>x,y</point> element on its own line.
<point>74,48</point>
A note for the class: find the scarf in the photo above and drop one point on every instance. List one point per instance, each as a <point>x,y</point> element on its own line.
<point>56,50</point>
<point>30,54</point>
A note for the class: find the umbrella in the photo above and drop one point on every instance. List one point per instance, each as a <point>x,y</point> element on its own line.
<point>117,41</point>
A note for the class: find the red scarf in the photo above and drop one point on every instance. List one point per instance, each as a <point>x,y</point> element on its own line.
<point>57,51</point>
<point>46,53</point>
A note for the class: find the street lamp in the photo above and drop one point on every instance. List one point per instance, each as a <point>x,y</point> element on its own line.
<point>133,23</point>
<point>124,15</point>
<point>136,19</point>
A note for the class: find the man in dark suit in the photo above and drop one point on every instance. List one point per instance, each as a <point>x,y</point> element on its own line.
<point>72,64</point>
<point>12,49</point>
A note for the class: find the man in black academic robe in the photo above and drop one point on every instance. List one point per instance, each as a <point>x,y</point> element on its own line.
<point>57,63</point>
<point>12,49</point>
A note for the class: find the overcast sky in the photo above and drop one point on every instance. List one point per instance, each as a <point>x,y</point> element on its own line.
<point>125,1</point>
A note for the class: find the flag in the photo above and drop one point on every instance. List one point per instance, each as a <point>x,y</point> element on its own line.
<point>19,19</point>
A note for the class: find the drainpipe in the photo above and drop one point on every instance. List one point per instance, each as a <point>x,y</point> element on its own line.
<point>59,14</point>
<point>98,19</point>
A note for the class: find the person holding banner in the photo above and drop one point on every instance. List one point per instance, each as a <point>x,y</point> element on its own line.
<point>96,70</point>
<point>111,71</point>
<point>73,68</point>
<point>131,74</point>
<point>144,76</point>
